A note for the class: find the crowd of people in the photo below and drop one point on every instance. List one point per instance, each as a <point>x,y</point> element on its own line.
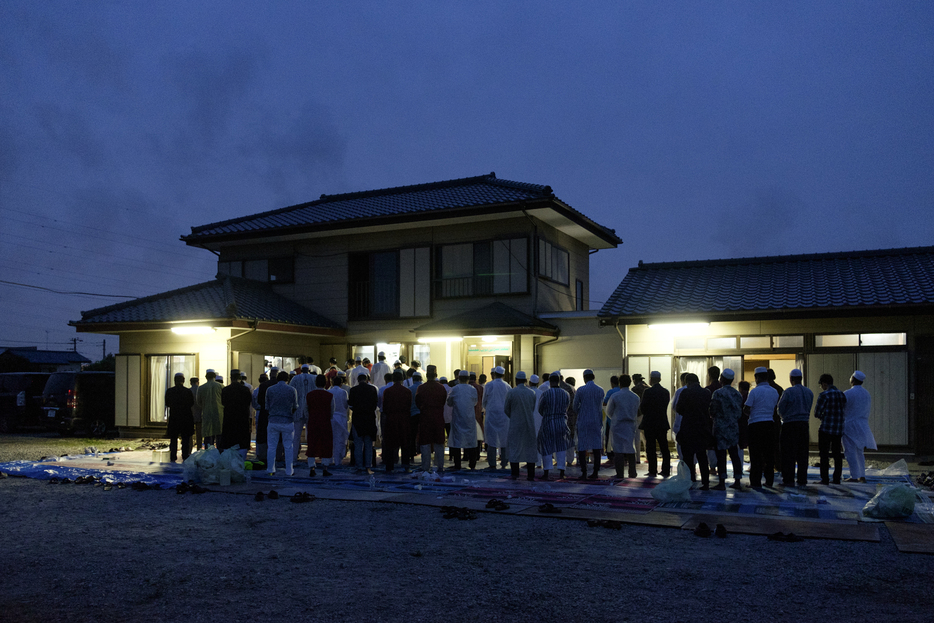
<point>544,423</point>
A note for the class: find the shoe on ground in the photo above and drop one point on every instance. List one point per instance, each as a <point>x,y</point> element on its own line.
<point>326,473</point>
<point>720,531</point>
<point>312,473</point>
<point>702,530</point>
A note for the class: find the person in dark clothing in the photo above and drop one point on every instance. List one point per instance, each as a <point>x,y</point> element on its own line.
<point>237,399</point>
<point>654,407</point>
<point>397,411</point>
<point>695,433</point>
<point>179,401</point>
<point>363,400</point>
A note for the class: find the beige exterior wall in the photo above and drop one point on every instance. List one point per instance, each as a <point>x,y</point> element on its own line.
<point>582,343</point>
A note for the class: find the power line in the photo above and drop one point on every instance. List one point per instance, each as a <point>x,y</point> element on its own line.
<point>26,285</point>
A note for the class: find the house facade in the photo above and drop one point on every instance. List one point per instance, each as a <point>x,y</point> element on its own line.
<point>822,313</point>
<point>459,274</point>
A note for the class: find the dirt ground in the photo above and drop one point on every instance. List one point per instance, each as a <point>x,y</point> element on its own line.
<point>79,553</point>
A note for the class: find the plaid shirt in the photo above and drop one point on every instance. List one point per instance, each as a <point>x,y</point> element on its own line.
<point>830,411</point>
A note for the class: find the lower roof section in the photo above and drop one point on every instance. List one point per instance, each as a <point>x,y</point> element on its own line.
<point>494,319</point>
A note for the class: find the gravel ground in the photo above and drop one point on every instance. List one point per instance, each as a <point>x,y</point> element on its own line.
<point>78,553</point>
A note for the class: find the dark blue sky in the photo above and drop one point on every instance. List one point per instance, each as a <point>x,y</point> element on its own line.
<point>696,130</point>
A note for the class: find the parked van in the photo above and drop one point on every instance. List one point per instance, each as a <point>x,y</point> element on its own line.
<point>21,400</point>
<point>79,401</point>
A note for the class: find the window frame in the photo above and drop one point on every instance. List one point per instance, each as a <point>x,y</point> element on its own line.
<point>549,249</point>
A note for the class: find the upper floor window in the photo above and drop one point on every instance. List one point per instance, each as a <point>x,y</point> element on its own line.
<point>553,262</point>
<point>482,268</point>
<point>389,284</point>
<point>273,270</point>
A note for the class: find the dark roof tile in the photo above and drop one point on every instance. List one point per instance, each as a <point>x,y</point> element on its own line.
<point>848,280</point>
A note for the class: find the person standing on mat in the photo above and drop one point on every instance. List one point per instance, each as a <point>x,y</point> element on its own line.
<point>519,408</point>
<point>695,435</point>
<point>794,407</point>
<point>856,432</point>
<point>726,408</point>
<point>760,406</point>
<point>623,411</point>
<point>654,407</point>
<point>588,403</point>
<point>179,401</point>
<point>553,436</point>
<point>831,411</point>
<point>463,438</point>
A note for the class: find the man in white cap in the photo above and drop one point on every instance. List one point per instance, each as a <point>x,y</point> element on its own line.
<point>212,409</point>
<point>726,409</point>
<point>380,370</point>
<point>519,407</point>
<point>588,403</point>
<point>303,384</point>
<point>856,432</point>
<point>794,407</point>
<point>654,407</point>
<point>760,406</point>
<point>623,411</point>
<point>463,437</point>
<point>495,423</point>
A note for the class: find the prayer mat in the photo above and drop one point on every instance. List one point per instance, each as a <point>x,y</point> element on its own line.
<point>851,531</point>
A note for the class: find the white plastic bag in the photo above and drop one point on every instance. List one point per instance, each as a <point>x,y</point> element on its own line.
<point>898,468</point>
<point>676,488</point>
<point>190,467</point>
<point>892,502</point>
<point>231,460</point>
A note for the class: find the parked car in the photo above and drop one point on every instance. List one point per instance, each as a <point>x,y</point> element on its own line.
<point>79,401</point>
<point>21,400</point>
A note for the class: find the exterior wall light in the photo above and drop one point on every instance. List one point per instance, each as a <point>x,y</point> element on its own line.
<point>192,330</point>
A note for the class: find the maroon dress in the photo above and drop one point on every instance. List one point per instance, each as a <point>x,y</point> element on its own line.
<point>430,399</point>
<point>397,410</point>
<point>320,443</point>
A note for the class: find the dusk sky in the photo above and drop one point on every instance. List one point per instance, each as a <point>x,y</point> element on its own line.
<point>696,130</point>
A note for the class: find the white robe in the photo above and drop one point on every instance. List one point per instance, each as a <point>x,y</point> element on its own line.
<point>379,372</point>
<point>623,408</point>
<point>495,422</point>
<point>463,398</point>
<point>523,437</point>
<point>856,424</point>
<point>339,422</point>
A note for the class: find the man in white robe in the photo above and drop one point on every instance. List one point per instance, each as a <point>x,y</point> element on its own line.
<point>495,422</point>
<point>623,409</point>
<point>463,435</point>
<point>856,432</point>
<point>519,407</point>
<point>340,429</point>
<point>358,369</point>
<point>380,370</point>
<point>588,402</point>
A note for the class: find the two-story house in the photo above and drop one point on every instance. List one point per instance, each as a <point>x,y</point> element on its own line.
<point>468,273</point>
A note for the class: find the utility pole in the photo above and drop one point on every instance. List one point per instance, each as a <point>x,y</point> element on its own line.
<point>104,351</point>
<point>74,344</point>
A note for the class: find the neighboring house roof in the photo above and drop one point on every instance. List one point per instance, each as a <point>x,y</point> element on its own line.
<point>494,319</point>
<point>857,281</point>
<point>471,196</point>
<point>227,301</point>
<point>45,357</point>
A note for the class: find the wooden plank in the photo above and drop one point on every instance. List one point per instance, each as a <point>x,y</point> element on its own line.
<point>423,499</point>
<point>663,520</point>
<point>913,538</point>
<point>746,524</point>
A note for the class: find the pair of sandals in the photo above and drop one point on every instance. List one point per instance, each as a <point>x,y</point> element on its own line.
<point>302,497</point>
<point>703,530</point>
<point>184,487</point>
<point>612,524</point>
<point>272,495</point>
<point>791,537</point>
<point>497,505</point>
<point>453,512</point>
<point>548,507</point>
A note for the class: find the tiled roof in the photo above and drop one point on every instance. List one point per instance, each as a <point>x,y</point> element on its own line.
<point>46,357</point>
<point>228,298</point>
<point>360,208</point>
<point>493,318</point>
<point>861,279</point>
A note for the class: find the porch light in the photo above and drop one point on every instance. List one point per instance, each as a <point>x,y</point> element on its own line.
<point>192,330</point>
<point>682,328</point>
<point>429,340</point>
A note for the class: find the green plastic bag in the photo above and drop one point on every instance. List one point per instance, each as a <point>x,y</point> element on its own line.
<point>892,502</point>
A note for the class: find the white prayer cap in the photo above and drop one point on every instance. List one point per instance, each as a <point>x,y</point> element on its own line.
<point>211,371</point>
<point>272,369</point>
<point>464,374</point>
<point>397,363</point>
<point>341,373</point>
<point>534,378</point>
<point>499,370</point>
<point>859,376</point>
<point>556,374</point>
<point>443,379</point>
<point>761,370</point>
<point>305,366</point>
<point>520,375</point>
<point>796,372</point>
<point>727,374</point>
<point>219,377</point>
<point>416,375</point>
<point>358,358</point>
<point>381,354</point>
